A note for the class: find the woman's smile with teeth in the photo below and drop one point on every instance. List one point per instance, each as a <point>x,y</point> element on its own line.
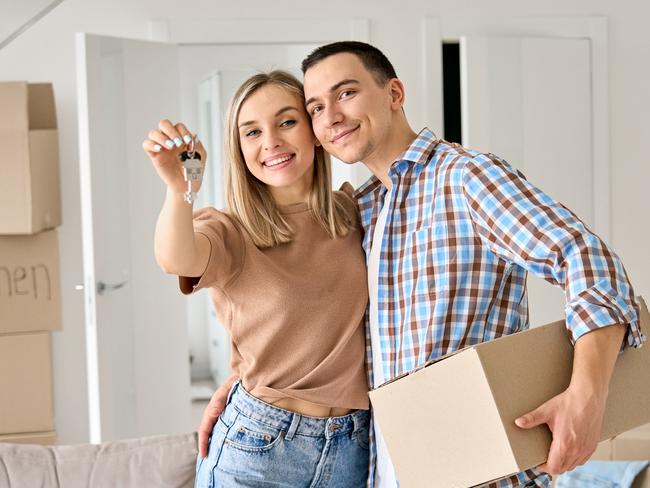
<point>276,161</point>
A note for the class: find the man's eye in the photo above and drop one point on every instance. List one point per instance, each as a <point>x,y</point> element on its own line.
<point>288,123</point>
<point>316,109</point>
<point>346,93</point>
<point>252,133</point>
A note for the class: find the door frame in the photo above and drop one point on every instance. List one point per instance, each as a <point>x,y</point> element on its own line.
<point>593,28</point>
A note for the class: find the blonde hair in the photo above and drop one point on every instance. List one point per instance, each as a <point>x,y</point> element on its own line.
<point>249,200</point>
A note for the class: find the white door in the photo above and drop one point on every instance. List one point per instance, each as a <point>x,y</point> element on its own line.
<point>529,101</point>
<point>138,369</point>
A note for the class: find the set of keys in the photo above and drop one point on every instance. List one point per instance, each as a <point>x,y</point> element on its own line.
<point>192,170</point>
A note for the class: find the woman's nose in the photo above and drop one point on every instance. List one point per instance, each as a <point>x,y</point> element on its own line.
<point>271,141</point>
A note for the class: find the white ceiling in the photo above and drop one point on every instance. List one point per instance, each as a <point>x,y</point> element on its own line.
<point>18,15</point>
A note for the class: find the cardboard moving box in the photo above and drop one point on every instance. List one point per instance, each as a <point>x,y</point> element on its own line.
<point>29,283</point>
<point>26,383</point>
<point>451,423</point>
<point>30,198</point>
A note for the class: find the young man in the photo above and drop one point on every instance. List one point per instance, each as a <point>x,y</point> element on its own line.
<point>450,235</point>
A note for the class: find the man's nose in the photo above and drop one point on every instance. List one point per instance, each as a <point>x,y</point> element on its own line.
<point>333,116</point>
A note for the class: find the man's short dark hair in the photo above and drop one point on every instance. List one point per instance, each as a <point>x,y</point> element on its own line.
<point>372,58</point>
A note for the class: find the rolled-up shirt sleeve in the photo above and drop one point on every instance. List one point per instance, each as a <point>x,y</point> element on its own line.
<point>522,224</point>
<point>226,251</point>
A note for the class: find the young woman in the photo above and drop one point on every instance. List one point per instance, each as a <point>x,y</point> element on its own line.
<point>286,272</point>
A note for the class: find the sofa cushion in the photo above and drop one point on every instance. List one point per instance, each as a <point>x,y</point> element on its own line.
<point>161,461</point>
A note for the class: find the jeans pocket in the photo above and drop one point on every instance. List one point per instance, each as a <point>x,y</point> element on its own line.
<point>251,436</point>
<point>362,437</point>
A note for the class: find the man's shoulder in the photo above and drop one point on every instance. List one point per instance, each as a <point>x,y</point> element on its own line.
<point>457,155</point>
<point>454,157</point>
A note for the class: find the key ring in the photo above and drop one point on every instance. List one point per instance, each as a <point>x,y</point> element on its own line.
<point>192,147</point>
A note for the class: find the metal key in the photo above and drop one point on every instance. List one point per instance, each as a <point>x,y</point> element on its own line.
<point>192,170</point>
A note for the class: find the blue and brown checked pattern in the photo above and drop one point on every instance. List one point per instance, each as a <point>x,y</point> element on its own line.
<point>462,231</point>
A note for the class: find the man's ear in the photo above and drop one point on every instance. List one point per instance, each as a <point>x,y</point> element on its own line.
<point>396,91</point>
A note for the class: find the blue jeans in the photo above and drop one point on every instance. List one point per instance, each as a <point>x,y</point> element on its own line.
<point>255,444</point>
<point>602,474</point>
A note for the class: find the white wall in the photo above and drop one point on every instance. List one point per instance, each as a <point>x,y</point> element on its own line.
<point>47,53</point>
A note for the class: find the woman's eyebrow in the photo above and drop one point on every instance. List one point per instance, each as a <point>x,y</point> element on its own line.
<point>279,112</point>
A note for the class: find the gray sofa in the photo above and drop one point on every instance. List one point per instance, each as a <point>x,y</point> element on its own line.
<point>151,462</point>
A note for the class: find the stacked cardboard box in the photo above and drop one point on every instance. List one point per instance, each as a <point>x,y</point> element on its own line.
<point>30,305</point>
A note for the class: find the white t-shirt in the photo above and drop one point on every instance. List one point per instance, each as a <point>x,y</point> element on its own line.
<point>385,472</point>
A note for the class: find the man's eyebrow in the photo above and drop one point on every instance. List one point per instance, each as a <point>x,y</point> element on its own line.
<point>279,112</point>
<point>333,89</point>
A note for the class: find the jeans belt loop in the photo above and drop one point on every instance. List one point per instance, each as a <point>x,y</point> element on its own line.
<point>295,420</point>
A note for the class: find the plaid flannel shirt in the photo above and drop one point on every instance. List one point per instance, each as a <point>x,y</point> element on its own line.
<point>463,229</point>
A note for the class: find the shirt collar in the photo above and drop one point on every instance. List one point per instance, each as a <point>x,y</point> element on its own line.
<point>418,152</point>
<point>420,149</point>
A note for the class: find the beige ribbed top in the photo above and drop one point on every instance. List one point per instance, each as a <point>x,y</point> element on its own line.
<point>294,312</point>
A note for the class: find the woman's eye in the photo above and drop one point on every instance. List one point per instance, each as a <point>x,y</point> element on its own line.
<point>252,133</point>
<point>288,123</point>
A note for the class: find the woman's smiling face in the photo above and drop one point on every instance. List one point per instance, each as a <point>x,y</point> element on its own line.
<point>276,140</point>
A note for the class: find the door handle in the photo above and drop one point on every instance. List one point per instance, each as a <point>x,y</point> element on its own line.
<point>103,288</point>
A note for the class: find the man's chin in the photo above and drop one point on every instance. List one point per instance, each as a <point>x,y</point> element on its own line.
<point>347,157</point>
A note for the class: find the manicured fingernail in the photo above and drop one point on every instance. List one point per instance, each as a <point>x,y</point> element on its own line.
<point>187,139</point>
<point>178,142</point>
<point>157,147</point>
<point>169,143</point>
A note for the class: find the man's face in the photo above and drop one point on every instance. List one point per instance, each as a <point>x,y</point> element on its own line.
<point>351,114</point>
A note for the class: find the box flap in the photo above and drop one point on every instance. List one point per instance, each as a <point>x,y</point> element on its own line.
<point>13,100</point>
<point>44,180</point>
<point>42,114</point>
